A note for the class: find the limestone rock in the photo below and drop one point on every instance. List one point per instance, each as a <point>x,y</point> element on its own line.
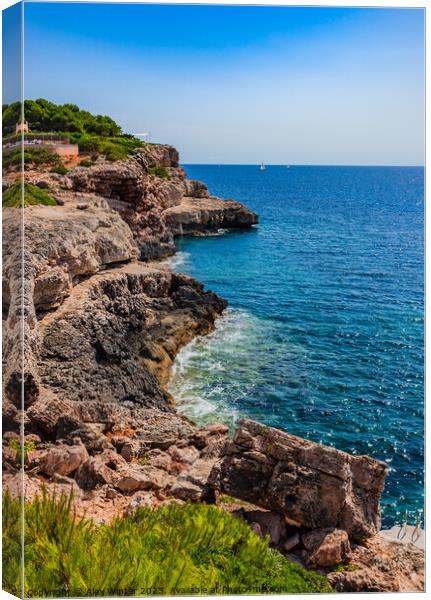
<point>327,547</point>
<point>186,490</point>
<point>98,346</point>
<point>184,455</point>
<point>271,524</point>
<point>136,477</point>
<point>100,470</point>
<point>63,459</point>
<point>292,542</point>
<point>199,214</point>
<point>313,485</point>
<point>382,566</point>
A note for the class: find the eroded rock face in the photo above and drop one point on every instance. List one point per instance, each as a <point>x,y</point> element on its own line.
<point>116,336</point>
<point>199,214</point>
<point>158,208</point>
<point>327,547</point>
<point>382,566</point>
<point>61,245</point>
<point>312,485</point>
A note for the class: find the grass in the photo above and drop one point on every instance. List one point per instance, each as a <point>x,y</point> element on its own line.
<point>158,172</point>
<point>12,197</point>
<point>171,550</point>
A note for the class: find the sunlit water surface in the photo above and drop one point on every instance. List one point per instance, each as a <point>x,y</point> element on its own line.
<point>324,332</point>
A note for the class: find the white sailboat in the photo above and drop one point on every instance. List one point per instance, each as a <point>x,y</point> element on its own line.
<point>262,167</point>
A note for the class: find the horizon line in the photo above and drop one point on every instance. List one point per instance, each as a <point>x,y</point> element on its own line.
<point>254,164</point>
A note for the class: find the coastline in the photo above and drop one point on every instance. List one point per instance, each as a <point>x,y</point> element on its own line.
<point>105,324</point>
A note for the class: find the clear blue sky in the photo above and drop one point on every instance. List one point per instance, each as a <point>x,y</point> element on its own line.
<point>240,84</point>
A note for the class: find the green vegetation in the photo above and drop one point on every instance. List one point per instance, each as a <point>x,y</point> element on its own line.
<point>27,447</point>
<point>113,148</point>
<point>12,197</point>
<point>95,134</point>
<point>60,170</point>
<point>86,163</point>
<point>158,172</point>
<point>32,157</point>
<point>172,550</point>
<point>43,115</point>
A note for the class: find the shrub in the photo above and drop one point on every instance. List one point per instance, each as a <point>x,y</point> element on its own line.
<point>12,197</point>
<point>32,157</point>
<point>171,550</point>
<point>86,163</point>
<point>60,170</point>
<point>158,171</point>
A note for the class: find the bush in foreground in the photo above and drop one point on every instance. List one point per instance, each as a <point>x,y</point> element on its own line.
<point>12,197</point>
<point>192,548</point>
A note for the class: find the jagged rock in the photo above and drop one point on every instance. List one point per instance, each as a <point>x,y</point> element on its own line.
<point>189,454</point>
<point>132,449</point>
<point>63,459</point>
<point>98,344</point>
<point>139,501</point>
<point>195,189</point>
<point>100,470</point>
<point>161,460</point>
<point>203,214</point>
<point>271,524</point>
<point>61,244</point>
<point>162,430</point>
<point>210,439</point>
<point>46,413</point>
<point>327,547</point>
<point>186,490</point>
<point>136,478</point>
<point>292,542</point>
<point>381,566</point>
<point>192,483</point>
<point>313,485</point>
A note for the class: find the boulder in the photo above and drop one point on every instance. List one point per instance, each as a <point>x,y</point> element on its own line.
<point>327,547</point>
<point>186,490</point>
<point>271,524</point>
<point>313,485</point>
<point>63,459</point>
<point>189,454</point>
<point>136,478</point>
<point>292,542</point>
<point>100,470</point>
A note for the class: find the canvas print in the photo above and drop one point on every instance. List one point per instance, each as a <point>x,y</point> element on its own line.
<point>213,316</point>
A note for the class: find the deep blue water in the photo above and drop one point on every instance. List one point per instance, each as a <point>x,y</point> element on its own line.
<point>324,335</point>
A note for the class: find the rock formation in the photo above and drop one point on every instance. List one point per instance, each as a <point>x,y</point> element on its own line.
<point>312,485</point>
<point>157,208</point>
<point>99,327</point>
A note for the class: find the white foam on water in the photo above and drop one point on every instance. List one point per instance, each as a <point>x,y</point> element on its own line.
<point>201,378</point>
<point>178,261</point>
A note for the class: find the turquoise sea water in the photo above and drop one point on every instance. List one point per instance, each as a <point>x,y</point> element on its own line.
<point>324,334</point>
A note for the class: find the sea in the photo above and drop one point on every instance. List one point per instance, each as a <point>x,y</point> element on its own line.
<point>324,334</point>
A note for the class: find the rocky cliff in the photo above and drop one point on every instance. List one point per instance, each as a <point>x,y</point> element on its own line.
<point>102,324</point>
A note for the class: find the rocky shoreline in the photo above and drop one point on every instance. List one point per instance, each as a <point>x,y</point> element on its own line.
<point>103,322</point>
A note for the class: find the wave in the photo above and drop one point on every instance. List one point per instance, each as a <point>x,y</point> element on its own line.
<point>202,381</point>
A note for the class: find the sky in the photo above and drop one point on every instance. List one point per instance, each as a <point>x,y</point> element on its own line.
<point>240,84</point>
